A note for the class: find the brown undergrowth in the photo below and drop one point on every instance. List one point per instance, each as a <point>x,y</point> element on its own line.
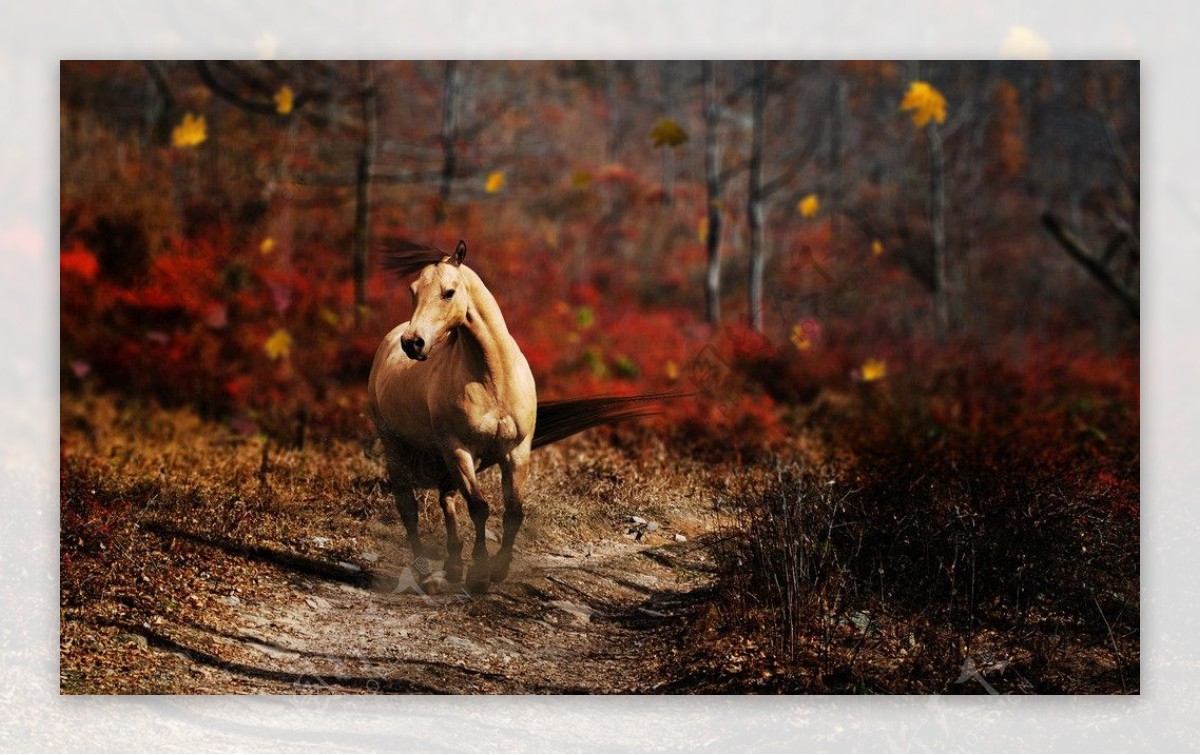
<point>178,531</point>
<point>975,533</point>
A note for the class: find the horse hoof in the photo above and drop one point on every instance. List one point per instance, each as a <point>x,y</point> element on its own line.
<point>500,568</point>
<point>454,572</point>
<point>479,578</point>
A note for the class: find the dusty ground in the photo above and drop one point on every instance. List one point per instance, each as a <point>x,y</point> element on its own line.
<point>191,566</point>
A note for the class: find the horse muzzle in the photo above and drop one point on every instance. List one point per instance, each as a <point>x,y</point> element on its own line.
<point>414,347</point>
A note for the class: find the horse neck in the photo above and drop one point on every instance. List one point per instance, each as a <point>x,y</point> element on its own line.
<point>487,330</point>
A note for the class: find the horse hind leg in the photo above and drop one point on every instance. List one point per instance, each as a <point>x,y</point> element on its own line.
<point>513,471</point>
<point>454,545</point>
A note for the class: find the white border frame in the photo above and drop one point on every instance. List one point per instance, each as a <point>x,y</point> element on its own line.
<point>34,36</point>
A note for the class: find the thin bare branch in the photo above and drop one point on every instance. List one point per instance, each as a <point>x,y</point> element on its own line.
<point>1090,262</point>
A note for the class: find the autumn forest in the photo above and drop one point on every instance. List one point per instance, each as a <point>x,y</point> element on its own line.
<point>891,309</point>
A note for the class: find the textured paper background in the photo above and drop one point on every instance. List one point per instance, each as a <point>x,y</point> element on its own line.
<point>34,36</point>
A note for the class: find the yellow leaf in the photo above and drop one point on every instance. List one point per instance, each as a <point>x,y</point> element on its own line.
<point>800,339</point>
<point>581,179</point>
<point>702,230</point>
<point>191,131</point>
<point>876,247</point>
<point>285,100</point>
<point>495,182</point>
<point>925,102</point>
<point>329,316</point>
<point>667,133</point>
<point>873,369</point>
<point>267,246</point>
<point>672,370</point>
<point>809,206</point>
<point>278,345</point>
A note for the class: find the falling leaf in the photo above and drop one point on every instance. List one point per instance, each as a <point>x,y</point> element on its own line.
<point>873,369</point>
<point>495,182</point>
<point>672,370</point>
<point>809,206</point>
<point>267,246</point>
<point>285,100</point>
<point>702,230</point>
<point>581,179</point>
<point>801,339</point>
<point>667,133</point>
<point>279,345</point>
<point>925,102</point>
<point>329,317</point>
<point>876,247</point>
<point>626,367</point>
<point>191,131</point>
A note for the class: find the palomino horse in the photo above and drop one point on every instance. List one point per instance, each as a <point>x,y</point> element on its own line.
<point>452,386</point>
<point>451,394</point>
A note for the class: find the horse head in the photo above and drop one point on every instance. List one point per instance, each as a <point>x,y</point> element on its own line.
<point>439,306</point>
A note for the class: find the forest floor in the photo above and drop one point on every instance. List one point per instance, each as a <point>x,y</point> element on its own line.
<point>196,562</point>
<point>197,557</point>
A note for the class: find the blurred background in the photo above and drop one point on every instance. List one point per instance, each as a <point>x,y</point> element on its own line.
<point>760,232</point>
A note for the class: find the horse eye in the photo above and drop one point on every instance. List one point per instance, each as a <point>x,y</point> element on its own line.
<point>449,294</point>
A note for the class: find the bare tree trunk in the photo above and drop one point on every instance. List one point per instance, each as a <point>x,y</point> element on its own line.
<point>667,82</point>
<point>937,229</point>
<point>837,156</point>
<point>668,176</point>
<point>712,182</point>
<point>754,207</point>
<point>613,111</point>
<point>160,112</point>
<point>450,94</point>
<point>362,189</point>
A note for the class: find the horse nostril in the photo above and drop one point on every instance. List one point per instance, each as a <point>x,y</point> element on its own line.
<point>413,346</point>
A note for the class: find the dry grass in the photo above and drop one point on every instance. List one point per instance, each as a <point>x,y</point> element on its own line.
<point>999,560</point>
<point>864,561</point>
<point>165,517</point>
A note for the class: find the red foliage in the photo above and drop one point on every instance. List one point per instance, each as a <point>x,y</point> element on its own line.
<point>79,262</point>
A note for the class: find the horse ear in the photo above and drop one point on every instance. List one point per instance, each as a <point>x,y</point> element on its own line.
<point>460,252</point>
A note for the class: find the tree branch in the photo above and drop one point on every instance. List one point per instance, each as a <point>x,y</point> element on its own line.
<point>229,95</point>
<point>262,107</point>
<point>160,84</point>
<point>1084,256</point>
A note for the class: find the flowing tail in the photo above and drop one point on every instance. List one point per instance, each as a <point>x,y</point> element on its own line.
<point>565,417</point>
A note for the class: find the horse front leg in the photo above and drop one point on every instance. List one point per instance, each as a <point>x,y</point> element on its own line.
<point>462,467</point>
<point>513,470</point>
<point>454,545</point>
<point>400,477</point>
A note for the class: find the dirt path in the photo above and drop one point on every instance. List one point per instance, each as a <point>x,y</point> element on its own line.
<point>187,570</point>
<point>600,620</point>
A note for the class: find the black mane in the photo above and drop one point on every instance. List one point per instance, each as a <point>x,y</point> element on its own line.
<point>403,257</point>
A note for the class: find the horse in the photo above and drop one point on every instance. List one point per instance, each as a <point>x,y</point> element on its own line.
<point>451,394</point>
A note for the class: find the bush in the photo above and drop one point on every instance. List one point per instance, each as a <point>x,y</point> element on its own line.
<point>966,521</point>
